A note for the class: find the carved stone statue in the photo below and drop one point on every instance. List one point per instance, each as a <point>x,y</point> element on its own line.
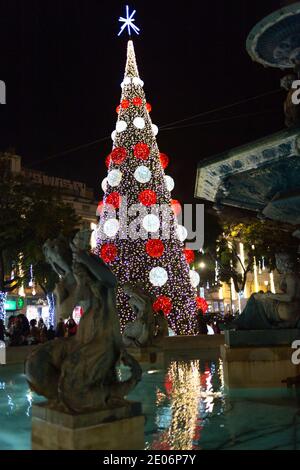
<point>78,374</point>
<point>264,311</point>
<point>141,331</point>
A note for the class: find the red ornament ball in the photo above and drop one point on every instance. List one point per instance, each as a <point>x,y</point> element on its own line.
<point>164,160</point>
<point>148,107</point>
<point>176,207</point>
<point>189,255</point>
<point>108,160</point>
<point>147,197</point>
<point>118,155</point>
<point>202,304</point>
<point>162,303</point>
<point>108,252</point>
<point>125,104</point>
<point>118,109</point>
<point>155,248</point>
<point>137,101</point>
<point>141,151</point>
<point>100,208</point>
<point>114,199</point>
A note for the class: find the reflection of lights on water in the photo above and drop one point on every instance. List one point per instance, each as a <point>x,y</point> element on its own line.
<point>29,397</point>
<point>208,395</point>
<point>10,402</point>
<point>153,371</point>
<point>160,397</point>
<point>186,405</point>
<point>119,374</point>
<point>164,417</point>
<point>221,375</point>
<point>208,381</point>
<point>2,385</point>
<point>30,400</point>
<point>181,416</point>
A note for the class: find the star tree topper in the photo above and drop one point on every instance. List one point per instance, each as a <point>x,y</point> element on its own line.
<point>128,22</point>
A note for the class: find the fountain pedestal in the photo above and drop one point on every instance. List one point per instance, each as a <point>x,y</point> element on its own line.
<point>258,358</point>
<point>119,428</point>
<point>149,355</point>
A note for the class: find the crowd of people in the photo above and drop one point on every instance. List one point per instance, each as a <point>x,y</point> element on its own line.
<point>21,332</point>
<point>213,323</point>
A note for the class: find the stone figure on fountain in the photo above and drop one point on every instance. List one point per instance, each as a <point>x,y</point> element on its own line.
<point>140,332</point>
<point>268,310</point>
<point>79,374</point>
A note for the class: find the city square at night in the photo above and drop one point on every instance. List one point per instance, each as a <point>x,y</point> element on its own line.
<point>149,230</point>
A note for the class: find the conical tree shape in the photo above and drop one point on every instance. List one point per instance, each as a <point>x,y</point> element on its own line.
<point>152,259</point>
<point>131,69</point>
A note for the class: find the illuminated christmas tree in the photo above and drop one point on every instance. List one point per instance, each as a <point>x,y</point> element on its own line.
<point>156,261</point>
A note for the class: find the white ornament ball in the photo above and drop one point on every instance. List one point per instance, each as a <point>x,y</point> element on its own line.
<point>137,81</point>
<point>181,232</point>
<point>155,129</point>
<point>113,135</point>
<point>158,276</point>
<point>194,277</point>
<point>114,177</point>
<point>139,122</point>
<point>104,185</point>
<point>169,183</point>
<point>142,174</point>
<point>126,81</point>
<point>111,227</point>
<point>151,223</point>
<point>121,126</point>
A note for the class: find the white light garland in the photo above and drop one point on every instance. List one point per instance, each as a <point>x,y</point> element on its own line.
<point>158,276</point>
<point>155,129</point>
<point>151,223</point>
<point>139,122</point>
<point>142,174</point>
<point>121,126</point>
<point>104,184</point>
<point>114,177</point>
<point>169,183</point>
<point>181,232</point>
<point>111,227</point>
<point>195,278</point>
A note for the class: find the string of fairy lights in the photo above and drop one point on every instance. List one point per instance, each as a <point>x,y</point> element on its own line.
<point>152,253</point>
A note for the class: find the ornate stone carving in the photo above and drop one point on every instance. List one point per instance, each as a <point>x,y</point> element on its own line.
<point>79,374</point>
<point>141,331</point>
<point>264,311</point>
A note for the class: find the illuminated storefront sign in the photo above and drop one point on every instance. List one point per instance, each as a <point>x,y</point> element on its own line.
<point>14,304</point>
<point>10,304</point>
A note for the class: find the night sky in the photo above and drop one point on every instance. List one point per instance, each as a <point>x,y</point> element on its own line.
<point>63,64</point>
